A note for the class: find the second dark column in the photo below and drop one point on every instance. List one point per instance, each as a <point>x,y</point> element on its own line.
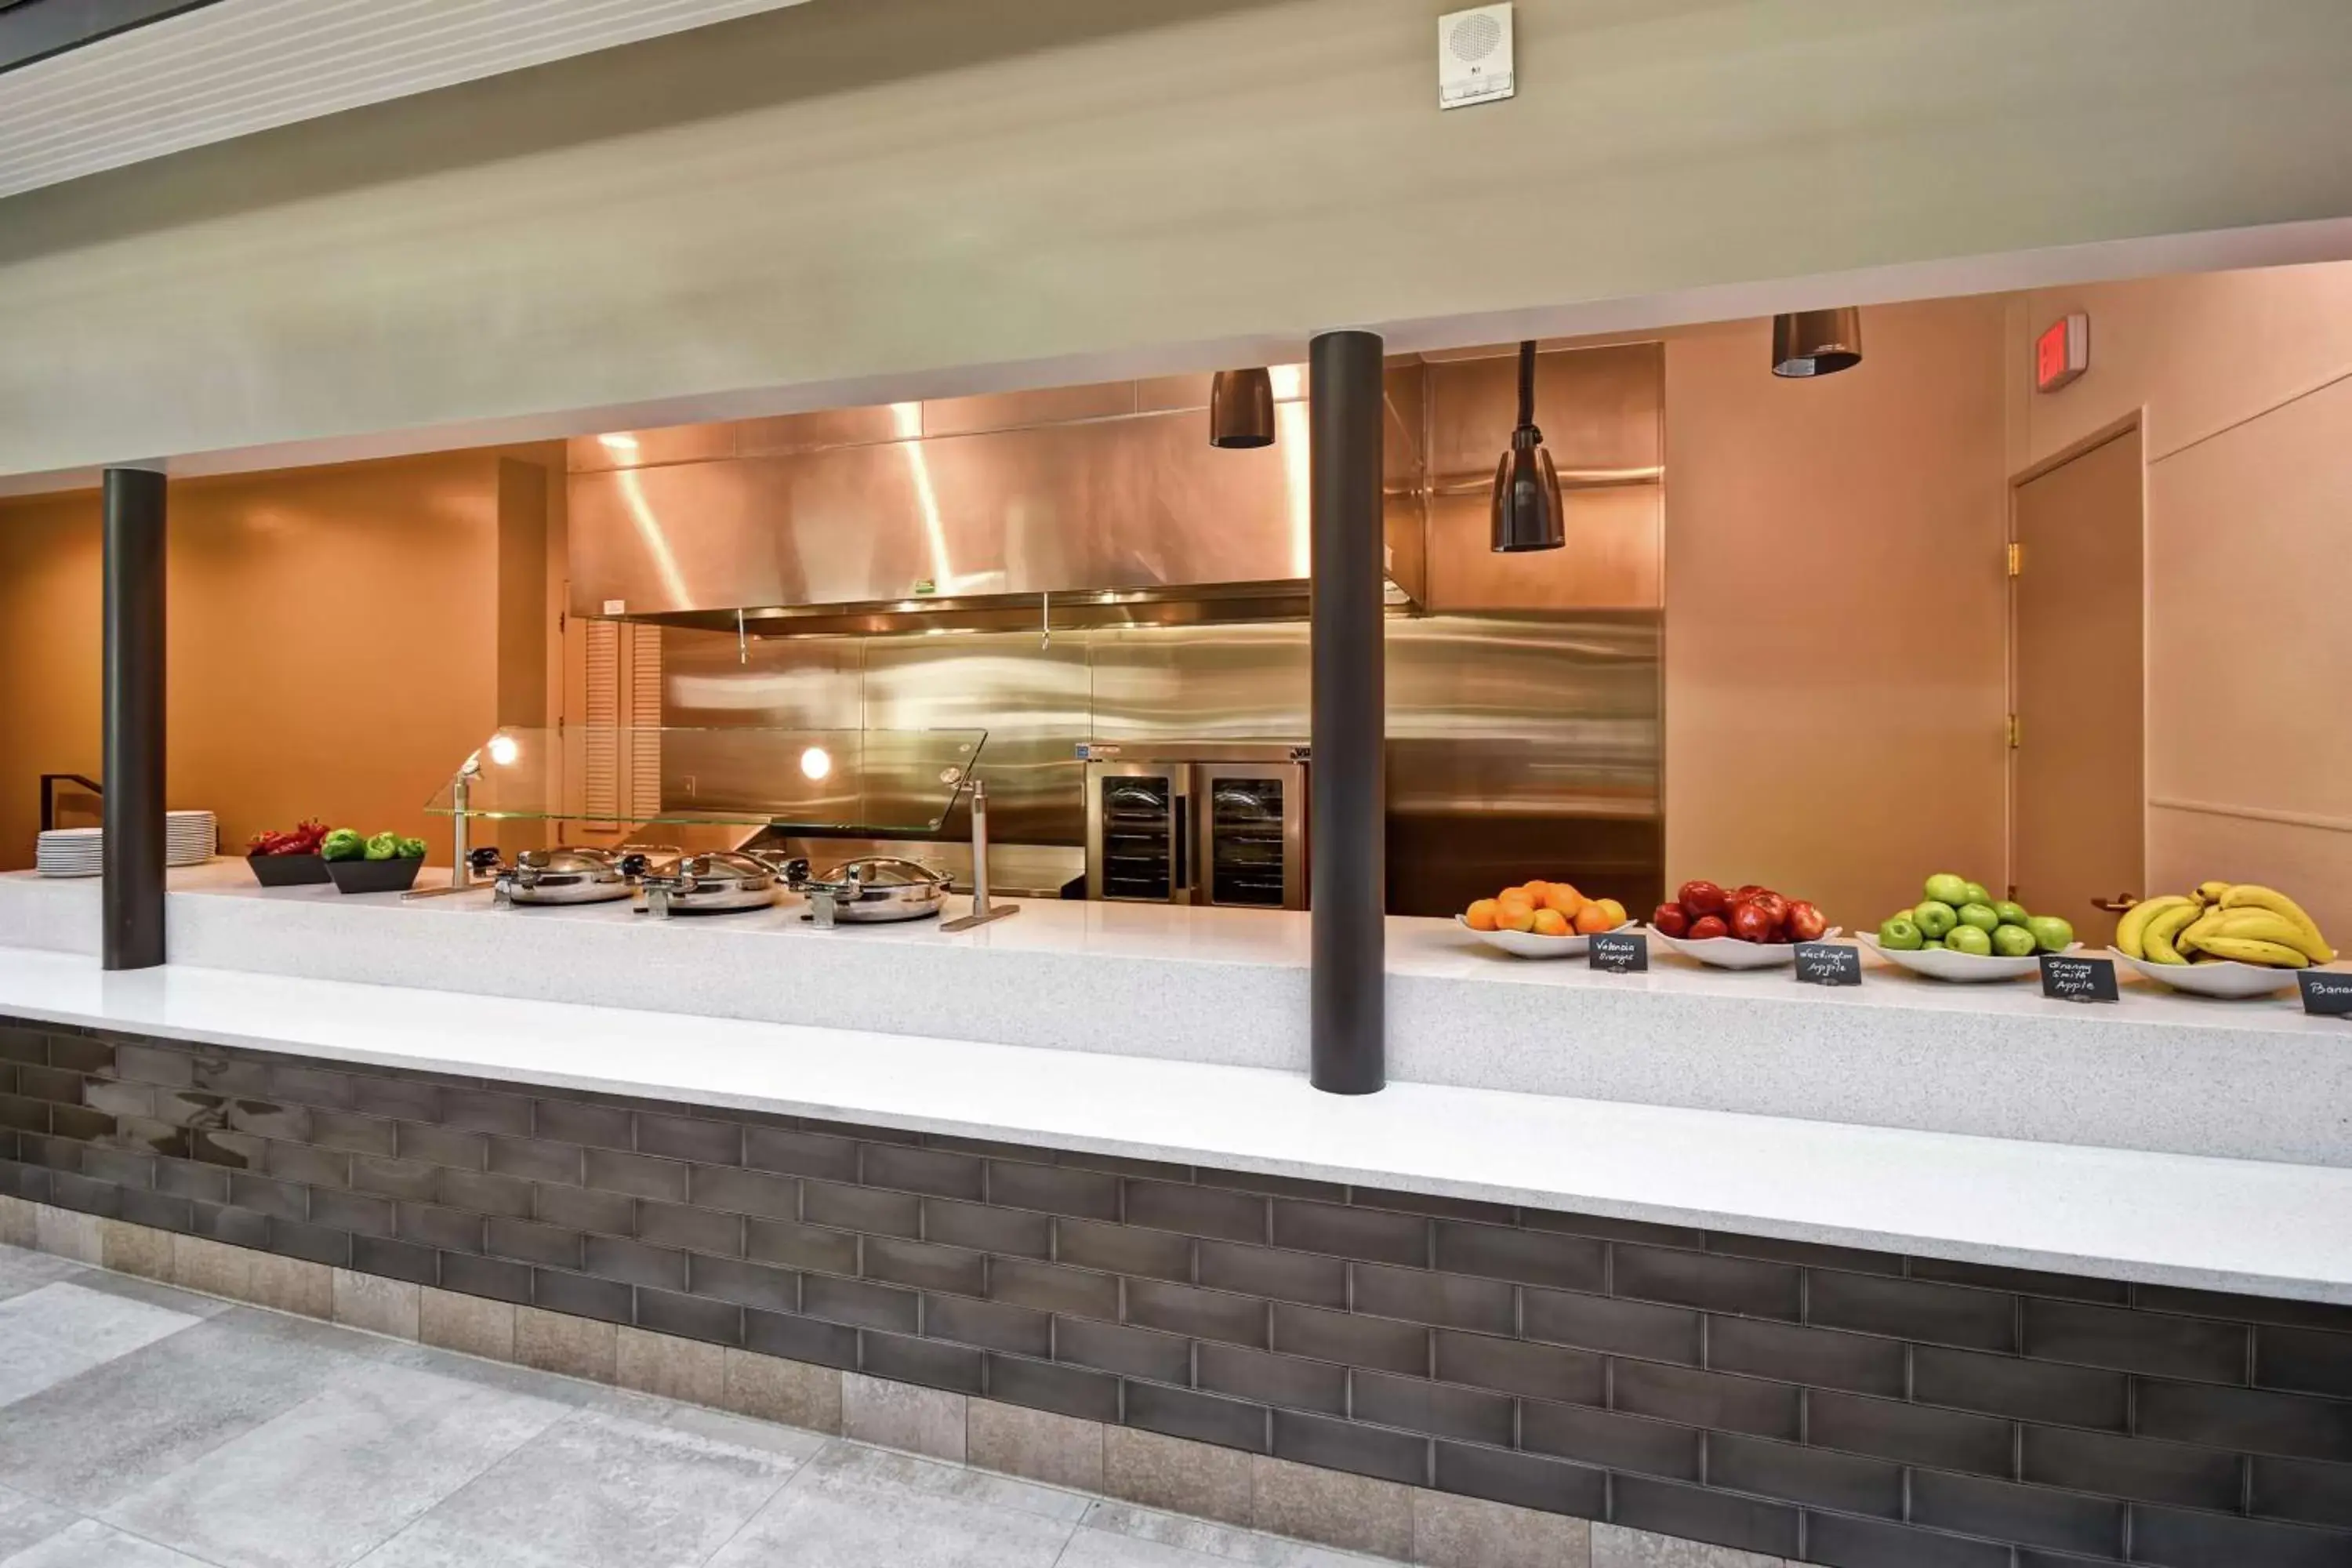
<point>132,899</point>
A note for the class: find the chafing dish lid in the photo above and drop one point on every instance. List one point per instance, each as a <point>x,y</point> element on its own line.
<point>720,868</point>
<point>570,860</point>
<point>884,871</point>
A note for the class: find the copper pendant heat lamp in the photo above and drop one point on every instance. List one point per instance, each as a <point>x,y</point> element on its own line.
<point>1816,343</point>
<point>1241,409</point>
<point>1526,491</point>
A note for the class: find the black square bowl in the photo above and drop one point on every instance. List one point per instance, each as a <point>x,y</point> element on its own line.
<point>287,870</point>
<point>395,876</point>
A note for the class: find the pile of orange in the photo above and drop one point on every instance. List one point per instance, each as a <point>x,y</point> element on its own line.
<point>1547,909</point>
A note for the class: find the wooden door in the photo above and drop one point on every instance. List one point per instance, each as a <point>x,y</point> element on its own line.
<point>2078,787</point>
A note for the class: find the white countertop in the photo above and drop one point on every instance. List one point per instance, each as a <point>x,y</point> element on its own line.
<point>2244,1226</point>
<point>2156,1072</point>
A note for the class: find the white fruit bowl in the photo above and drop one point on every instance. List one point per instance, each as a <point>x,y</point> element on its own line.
<point>1731,952</point>
<point>1528,944</point>
<point>2228,980</point>
<point>1964,968</point>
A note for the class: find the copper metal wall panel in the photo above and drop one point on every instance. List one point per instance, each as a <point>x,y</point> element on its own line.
<point>1032,699</point>
<point>1600,408</point>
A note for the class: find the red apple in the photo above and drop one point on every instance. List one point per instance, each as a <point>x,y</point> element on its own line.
<point>1702,898</point>
<point>1671,918</point>
<point>1774,906</point>
<point>1752,923</point>
<point>1806,923</point>
<point>1708,927</point>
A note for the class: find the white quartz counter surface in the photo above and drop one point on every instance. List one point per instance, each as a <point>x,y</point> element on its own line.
<point>2155,1072</point>
<point>2244,1226</point>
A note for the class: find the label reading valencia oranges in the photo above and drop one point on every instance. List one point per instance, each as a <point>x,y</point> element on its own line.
<point>1619,952</point>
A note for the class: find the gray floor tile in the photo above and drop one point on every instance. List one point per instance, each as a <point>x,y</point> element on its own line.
<point>789,1443</point>
<point>63,1330</point>
<point>597,1490</point>
<point>89,1544</point>
<point>25,1520</point>
<point>89,1441</point>
<point>21,1270</point>
<point>1179,1542</point>
<point>338,1474</point>
<point>497,1374</point>
<point>813,1525</point>
<point>885,1475</point>
<point>131,1288</point>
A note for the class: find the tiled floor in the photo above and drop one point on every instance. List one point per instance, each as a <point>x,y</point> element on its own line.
<point>146,1427</point>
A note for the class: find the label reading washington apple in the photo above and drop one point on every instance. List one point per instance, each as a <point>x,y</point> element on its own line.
<point>2065,978</point>
<point>2328,996</point>
<point>1828,964</point>
<point>1619,952</point>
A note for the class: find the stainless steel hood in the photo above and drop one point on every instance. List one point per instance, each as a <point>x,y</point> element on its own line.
<point>1092,506</point>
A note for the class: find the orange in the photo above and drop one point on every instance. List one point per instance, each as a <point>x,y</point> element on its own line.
<point>1616,912</point>
<point>1480,915</point>
<point>1565,899</point>
<point>1594,919</point>
<point>1514,917</point>
<point>1535,891</point>
<point>1550,922</point>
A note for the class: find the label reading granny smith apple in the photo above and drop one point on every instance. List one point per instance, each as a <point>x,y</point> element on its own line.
<point>2065,978</point>
<point>2325,994</point>
<point>1828,964</point>
<point>1619,952</point>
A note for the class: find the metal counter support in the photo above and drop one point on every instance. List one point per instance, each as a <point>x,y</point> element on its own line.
<point>1349,881</point>
<point>133,897</point>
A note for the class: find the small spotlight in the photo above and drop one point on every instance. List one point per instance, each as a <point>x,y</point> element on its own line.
<point>504,751</point>
<point>815,763</point>
<point>618,443</point>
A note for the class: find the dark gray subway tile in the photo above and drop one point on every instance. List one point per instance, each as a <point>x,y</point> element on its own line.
<point>1203,1417</point>
<point>1348,1446</point>
<point>801,1246</point>
<point>1515,1366</point>
<point>615,1214</point>
<point>1623,1328</point>
<point>2242,1309</point>
<point>494,1277</point>
<point>1912,1433</point>
<point>439,1145</point>
<point>934,1363</point>
<point>990,1325</point>
<point>233,1150</point>
<point>986,1148</point>
<point>262,1194</point>
<point>1007,1231</point>
<point>149,1136</point>
<point>80,1052</point>
<point>1664,1507</point>
<point>1121,1165</point>
<point>188,1108</point>
<point>536,1160</point>
<point>1197,1211</point>
<point>2137,1467</point>
<point>927,1171</point>
<point>1711,1399</point>
<point>607,1301</point>
<point>53,1085</point>
<point>1202,1314</point>
<point>858,1304</point>
<point>240,1227</point>
<point>639,1175</point>
<point>1303,1277</point>
<point>312,1086</point>
<point>1131,1249</point>
<point>2033,1516</point>
<point>400,1099</point>
<point>78,1122</point>
<point>1837,1542</point>
<point>2180,1539</point>
<point>1286,1380</point>
<point>359,1213</point>
<point>119,1166</point>
<point>1443,1300</point>
<point>68,1190</point>
<point>1523,1480</point>
<point>395,1260</point>
<point>1440,1409</point>
<point>2151,1342</point>
<point>2022,1281</point>
<point>1531,1256</point>
<point>581,1121</point>
<point>352,1133</point>
<point>2288,1425</point>
<point>1808,1254</point>
<point>799,1154</point>
<point>867,1209</point>
<point>430,1225</point>
<point>2297,1489</point>
<point>1051,1288</point>
<point>2030,1391</point>
<point>634,1262</point>
<point>396,1178</point>
<point>858,1132</point>
<point>116,1099</point>
<point>690,1317</point>
<point>21,1044</point>
<point>1371,1235</point>
<point>57,1154</point>
<point>1823,1358</point>
<point>925,1267</point>
<point>185,1179</point>
<point>1132,1352</point>
<point>1043,1385</point>
<point>1609,1229</point>
<point>690,1137</point>
<point>745,1284</point>
<point>484,1194</point>
<point>696,1230</point>
<point>1914,1309</point>
<point>1731,1285</point>
<point>1436,1205</point>
<point>1054,1189</point>
<point>2304,1360</point>
<point>743,1192</point>
<point>800,1338</point>
<point>1816,1477</point>
<point>549,1244</point>
<point>22,1115</point>
<point>1355,1342</point>
<point>1273,1185</point>
<point>160,1210</point>
<point>153,1064</point>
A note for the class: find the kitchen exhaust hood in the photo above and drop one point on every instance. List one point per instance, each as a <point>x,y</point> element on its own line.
<point>1067,507</point>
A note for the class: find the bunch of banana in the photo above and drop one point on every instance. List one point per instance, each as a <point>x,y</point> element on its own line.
<point>2241,922</point>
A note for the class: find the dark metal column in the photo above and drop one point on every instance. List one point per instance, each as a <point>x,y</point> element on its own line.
<point>1349,814</point>
<point>133,799</point>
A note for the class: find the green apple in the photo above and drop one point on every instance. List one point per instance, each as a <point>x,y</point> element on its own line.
<point>2011,914</point>
<point>1971,940</point>
<point>1900,934</point>
<point>2012,940</point>
<point>1980,915</point>
<point>1934,941</point>
<point>2053,933</point>
<point>1943,887</point>
<point>1934,917</point>
<point>1978,894</point>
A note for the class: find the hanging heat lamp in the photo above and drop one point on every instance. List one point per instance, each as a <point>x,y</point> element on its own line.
<point>1526,491</point>
<point>1241,409</point>
<point>1816,343</point>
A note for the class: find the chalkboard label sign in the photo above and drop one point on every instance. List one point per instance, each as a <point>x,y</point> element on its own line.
<point>2325,994</point>
<point>2065,978</point>
<point>1828,964</point>
<point>1619,952</point>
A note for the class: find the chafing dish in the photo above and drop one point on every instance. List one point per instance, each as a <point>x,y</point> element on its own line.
<point>565,874</point>
<point>874,888</point>
<point>719,883</point>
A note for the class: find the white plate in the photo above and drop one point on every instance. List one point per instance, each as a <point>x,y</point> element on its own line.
<point>1731,952</point>
<point>1528,944</point>
<point>2234,982</point>
<point>1948,964</point>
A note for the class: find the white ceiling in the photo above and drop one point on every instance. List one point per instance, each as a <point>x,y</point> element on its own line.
<point>240,66</point>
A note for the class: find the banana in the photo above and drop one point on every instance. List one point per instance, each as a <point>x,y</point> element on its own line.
<point>2130,929</point>
<point>2212,892</point>
<point>2263,925</point>
<point>2308,940</point>
<point>2191,939</point>
<point>2157,936</point>
<point>2269,955</point>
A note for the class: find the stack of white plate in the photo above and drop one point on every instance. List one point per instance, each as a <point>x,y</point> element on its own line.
<point>188,841</point>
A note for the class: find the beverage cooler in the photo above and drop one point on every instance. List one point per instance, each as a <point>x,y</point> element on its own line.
<point>1198,824</point>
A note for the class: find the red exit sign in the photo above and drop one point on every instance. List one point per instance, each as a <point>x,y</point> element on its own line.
<point>2062,353</point>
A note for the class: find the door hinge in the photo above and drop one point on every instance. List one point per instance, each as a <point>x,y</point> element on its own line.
<point>2017,559</point>
<point>2016,732</point>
